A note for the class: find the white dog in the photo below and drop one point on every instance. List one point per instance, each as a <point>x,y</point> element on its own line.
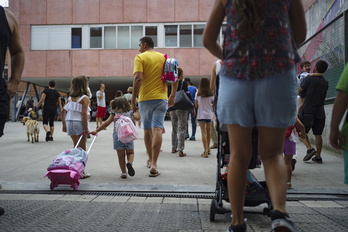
<point>33,130</point>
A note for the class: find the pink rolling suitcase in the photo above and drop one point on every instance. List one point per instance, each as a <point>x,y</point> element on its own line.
<point>68,167</point>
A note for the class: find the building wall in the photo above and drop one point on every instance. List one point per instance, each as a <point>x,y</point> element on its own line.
<point>116,62</point>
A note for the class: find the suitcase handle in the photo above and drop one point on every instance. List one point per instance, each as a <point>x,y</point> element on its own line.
<point>78,142</point>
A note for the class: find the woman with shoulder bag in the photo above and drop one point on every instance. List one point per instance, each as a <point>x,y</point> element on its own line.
<point>178,117</point>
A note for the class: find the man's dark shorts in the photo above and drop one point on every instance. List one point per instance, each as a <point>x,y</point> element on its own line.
<point>317,127</point>
<point>4,106</point>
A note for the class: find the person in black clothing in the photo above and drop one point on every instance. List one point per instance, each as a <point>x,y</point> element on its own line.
<point>9,38</point>
<point>51,98</point>
<point>312,112</point>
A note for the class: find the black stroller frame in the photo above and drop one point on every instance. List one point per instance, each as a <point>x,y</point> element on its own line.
<point>221,191</point>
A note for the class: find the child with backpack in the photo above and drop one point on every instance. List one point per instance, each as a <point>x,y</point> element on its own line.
<point>123,135</point>
<point>204,103</point>
<point>75,113</point>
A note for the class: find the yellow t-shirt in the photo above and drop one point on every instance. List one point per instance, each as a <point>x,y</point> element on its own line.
<point>150,63</point>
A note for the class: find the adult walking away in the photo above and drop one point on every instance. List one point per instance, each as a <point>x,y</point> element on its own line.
<point>339,139</point>
<point>152,98</point>
<point>101,105</point>
<point>193,113</point>
<point>312,113</point>
<point>129,94</point>
<point>259,54</point>
<point>9,37</point>
<point>179,120</point>
<point>50,97</point>
<point>214,74</point>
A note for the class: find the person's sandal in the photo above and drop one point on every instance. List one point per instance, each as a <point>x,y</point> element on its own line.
<point>124,176</point>
<point>85,175</point>
<point>205,155</point>
<point>182,154</point>
<point>214,146</point>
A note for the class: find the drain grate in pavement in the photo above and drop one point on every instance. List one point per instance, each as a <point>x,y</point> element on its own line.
<point>200,195</point>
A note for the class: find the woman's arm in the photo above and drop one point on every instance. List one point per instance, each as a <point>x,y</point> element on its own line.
<point>43,97</point>
<point>298,22</point>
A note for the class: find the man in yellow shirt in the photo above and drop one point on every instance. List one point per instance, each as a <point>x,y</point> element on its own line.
<point>152,98</point>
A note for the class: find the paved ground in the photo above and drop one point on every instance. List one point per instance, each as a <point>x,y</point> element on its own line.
<point>104,202</point>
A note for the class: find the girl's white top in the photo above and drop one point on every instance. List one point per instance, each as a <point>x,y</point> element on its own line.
<point>74,109</point>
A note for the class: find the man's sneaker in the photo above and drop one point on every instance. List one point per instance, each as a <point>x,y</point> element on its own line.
<point>2,211</point>
<point>237,228</point>
<point>281,222</point>
<point>310,153</point>
<point>193,138</point>
<point>317,159</point>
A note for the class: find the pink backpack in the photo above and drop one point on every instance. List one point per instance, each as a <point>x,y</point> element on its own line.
<point>170,70</point>
<point>125,129</point>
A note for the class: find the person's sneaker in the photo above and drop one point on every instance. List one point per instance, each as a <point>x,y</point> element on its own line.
<point>317,159</point>
<point>2,211</point>
<point>50,139</point>
<point>281,222</point>
<point>187,136</point>
<point>237,228</point>
<point>48,134</point>
<point>193,138</point>
<point>310,153</point>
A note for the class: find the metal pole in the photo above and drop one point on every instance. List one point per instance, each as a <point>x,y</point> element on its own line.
<point>345,17</point>
<point>22,99</point>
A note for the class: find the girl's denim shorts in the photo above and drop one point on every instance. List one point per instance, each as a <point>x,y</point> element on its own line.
<point>266,102</point>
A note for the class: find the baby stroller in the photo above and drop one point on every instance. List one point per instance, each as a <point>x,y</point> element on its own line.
<point>256,192</point>
<point>68,167</point>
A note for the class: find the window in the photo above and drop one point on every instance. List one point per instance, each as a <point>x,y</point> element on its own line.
<point>76,37</point>
<point>118,36</point>
<point>123,37</point>
<point>109,37</point>
<point>95,37</point>
<point>39,38</point>
<point>198,35</point>
<point>151,31</point>
<point>136,34</point>
<point>185,36</point>
<point>171,35</point>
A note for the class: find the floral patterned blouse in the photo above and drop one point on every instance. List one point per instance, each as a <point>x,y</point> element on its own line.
<point>271,50</point>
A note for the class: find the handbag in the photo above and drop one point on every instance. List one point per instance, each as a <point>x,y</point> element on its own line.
<point>182,101</point>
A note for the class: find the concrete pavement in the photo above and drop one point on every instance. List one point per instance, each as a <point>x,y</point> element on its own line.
<point>104,202</point>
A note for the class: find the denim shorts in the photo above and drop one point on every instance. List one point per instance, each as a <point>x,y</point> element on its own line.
<point>74,127</point>
<point>118,145</point>
<point>289,147</point>
<point>267,102</point>
<point>152,113</point>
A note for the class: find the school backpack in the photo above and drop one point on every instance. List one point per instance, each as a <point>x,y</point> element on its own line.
<point>125,129</point>
<point>71,159</point>
<point>170,70</point>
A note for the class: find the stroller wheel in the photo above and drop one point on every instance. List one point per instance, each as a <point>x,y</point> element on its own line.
<point>213,210</point>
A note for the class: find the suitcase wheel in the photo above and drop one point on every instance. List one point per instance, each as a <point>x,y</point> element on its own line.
<point>52,186</point>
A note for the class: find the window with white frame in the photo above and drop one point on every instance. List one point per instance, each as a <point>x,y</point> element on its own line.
<point>117,36</point>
